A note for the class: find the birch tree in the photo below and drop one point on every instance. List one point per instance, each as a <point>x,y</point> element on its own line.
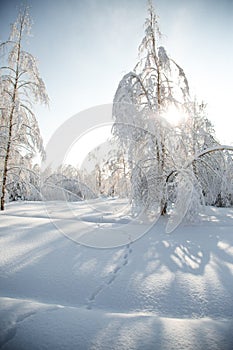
<point>181,165</point>
<point>141,101</point>
<point>20,87</point>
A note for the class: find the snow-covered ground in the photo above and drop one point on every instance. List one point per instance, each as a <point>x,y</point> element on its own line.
<point>157,291</point>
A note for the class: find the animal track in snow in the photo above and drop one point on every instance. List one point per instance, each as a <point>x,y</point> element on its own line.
<point>111,278</point>
<point>117,268</point>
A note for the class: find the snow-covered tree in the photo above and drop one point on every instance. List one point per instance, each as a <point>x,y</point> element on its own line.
<point>181,164</point>
<point>212,168</point>
<point>64,183</point>
<point>141,101</point>
<point>111,170</point>
<point>20,87</point>
<point>116,180</point>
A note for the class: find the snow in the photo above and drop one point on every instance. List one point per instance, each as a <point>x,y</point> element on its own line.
<point>156,291</point>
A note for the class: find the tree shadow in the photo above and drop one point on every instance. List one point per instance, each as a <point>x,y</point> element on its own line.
<point>185,274</point>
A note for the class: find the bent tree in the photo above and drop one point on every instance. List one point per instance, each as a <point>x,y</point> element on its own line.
<point>142,99</point>
<point>163,162</point>
<point>20,87</point>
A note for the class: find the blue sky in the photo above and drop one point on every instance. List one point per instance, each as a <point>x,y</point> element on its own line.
<point>84,48</point>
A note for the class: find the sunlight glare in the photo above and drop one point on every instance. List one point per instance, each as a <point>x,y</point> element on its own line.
<point>174,116</point>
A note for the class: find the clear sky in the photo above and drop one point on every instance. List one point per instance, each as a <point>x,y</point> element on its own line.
<point>84,47</point>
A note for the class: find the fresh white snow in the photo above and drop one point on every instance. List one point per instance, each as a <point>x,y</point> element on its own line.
<point>156,291</point>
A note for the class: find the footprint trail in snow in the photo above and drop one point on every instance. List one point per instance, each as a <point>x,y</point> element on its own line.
<point>111,278</point>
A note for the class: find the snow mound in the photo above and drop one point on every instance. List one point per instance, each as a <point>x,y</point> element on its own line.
<point>64,327</point>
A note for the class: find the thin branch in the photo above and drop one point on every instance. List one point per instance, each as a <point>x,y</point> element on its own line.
<point>21,73</point>
<point>28,109</point>
<point>211,150</point>
<point>7,42</point>
<point>28,83</point>
<point>12,69</point>
<point>25,169</point>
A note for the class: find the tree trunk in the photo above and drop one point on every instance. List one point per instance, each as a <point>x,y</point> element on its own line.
<point>164,209</point>
<point>4,184</point>
<point>5,168</point>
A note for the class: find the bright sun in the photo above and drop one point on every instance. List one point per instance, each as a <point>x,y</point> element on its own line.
<point>174,116</point>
